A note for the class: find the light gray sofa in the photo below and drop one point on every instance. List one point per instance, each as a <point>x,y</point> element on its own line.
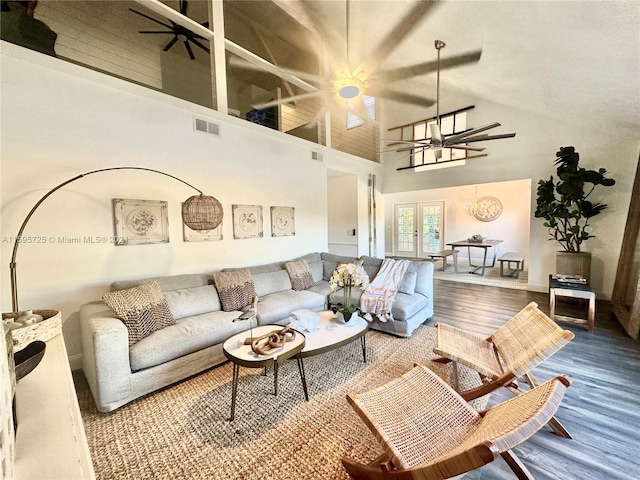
<point>118,373</point>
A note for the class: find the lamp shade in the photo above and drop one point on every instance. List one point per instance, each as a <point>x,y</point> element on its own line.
<point>202,212</point>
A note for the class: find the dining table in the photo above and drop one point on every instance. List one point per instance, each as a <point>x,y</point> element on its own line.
<point>484,244</point>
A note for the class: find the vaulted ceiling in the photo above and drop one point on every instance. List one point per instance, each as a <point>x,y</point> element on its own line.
<point>573,60</point>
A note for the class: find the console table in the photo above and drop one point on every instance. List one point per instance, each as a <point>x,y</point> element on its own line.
<point>50,441</point>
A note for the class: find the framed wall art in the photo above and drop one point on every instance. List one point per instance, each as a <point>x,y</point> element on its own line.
<point>283,222</point>
<point>247,221</point>
<point>139,222</point>
<point>190,235</point>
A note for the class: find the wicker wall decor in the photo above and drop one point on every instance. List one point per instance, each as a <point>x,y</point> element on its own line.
<point>202,212</point>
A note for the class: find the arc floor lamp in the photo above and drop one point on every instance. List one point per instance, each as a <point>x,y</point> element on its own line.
<point>199,212</point>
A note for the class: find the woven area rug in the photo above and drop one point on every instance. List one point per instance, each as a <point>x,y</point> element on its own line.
<point>183,431</point>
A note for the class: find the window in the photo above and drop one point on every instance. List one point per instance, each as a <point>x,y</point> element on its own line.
<point>369,102</point>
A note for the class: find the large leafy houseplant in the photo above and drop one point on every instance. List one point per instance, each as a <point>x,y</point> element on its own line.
<point>564,205</point>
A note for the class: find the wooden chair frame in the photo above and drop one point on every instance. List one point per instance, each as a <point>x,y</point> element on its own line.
<point>510,353</point>
<point>408,422</point>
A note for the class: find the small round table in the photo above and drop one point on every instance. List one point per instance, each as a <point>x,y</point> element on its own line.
<point>241,354</point>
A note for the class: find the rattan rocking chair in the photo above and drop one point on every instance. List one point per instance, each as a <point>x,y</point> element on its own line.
<point>428,431</point>
<point>511,352</point>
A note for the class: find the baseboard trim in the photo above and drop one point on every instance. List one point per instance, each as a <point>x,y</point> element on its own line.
<point>75,362</point>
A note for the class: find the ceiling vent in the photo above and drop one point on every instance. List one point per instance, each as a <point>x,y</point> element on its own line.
<point>316,156</point>
<point>204,126</point>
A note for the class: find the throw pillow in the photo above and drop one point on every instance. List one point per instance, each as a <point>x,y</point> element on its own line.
<point>408,284</point>
<point>235,288</point>
<point>143,309</point>
<point>300,275</point>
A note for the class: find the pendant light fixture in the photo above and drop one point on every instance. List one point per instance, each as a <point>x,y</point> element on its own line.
<point>472,208</point>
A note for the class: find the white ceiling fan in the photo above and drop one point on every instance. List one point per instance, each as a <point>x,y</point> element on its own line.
<point>458,141</point>
<point>346,87</point>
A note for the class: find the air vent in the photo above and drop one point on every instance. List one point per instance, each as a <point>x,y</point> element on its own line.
<point>204,126</point>
<point>316,156</point>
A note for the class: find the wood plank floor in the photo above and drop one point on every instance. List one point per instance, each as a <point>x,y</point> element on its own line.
<point>601,409</point>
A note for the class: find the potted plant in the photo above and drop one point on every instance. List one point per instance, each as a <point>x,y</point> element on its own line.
<point>566,209</point>
<point>348,275</point>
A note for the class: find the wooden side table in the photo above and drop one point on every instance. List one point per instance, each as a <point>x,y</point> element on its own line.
<point>572,290</point>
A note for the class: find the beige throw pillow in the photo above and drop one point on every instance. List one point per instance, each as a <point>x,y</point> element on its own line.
<point>143,309</point>
<point>235,288</point>
<point>300,275</point>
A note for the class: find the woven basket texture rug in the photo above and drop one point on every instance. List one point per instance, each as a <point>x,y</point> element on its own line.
<point>183,431</point>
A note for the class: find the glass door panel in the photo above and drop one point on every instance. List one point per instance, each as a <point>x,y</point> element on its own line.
<point>431,232</point>
<point>406,230</point>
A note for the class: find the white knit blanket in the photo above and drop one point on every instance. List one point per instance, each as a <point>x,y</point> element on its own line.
<point>378,298</point>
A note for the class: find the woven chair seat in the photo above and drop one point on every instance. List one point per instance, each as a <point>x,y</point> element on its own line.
<point>428,431</point>
<point>468,348</point>
<point>511,352</point>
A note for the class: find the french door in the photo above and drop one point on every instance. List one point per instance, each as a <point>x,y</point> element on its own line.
<point>419,229</point>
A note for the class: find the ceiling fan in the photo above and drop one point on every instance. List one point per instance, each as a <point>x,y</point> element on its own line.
<point>458,141</point>
<point>347,87</point>
<point>177,31</point>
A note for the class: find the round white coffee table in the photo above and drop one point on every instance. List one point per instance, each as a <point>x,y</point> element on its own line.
<point>240,354</point>
<point>332,333</point>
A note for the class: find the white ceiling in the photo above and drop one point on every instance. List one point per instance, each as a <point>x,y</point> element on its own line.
<point>572,60</point>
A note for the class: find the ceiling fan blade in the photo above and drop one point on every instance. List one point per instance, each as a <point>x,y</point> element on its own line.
<point>198,44</point>
<point>473,131</point>
<point>279,101</point>
<point>171,43</point>
<point>423,68</point>
<point>402,97</point>
<point>410,142</point>
<point>150,18</point>
<point>189,51</point>
<point>465,147</point>
<point>482,138</point>
<point>394,38</point>
<point>235,61</point>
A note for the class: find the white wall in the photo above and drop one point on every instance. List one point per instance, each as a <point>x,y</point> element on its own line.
<point>512,226</point>
<point>531,155</point>
<point>60,120</point>
<point>342,215</point>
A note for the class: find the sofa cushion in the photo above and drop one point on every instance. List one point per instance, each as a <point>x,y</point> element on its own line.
<point>371,265</point>
<point>405,306</point>
<point>300,275</point>
<point>277,307</point>
<point>171,282</point>
<point>321,287</point>
<point>143,309</point>
<point>314,260</point>
<point>424,280</point>
<point>330,261</point>
<point>186,336</point>
<point>235,288</point>
<point>272,282</point>
<point>408,284</point>
<point>193,301</point>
